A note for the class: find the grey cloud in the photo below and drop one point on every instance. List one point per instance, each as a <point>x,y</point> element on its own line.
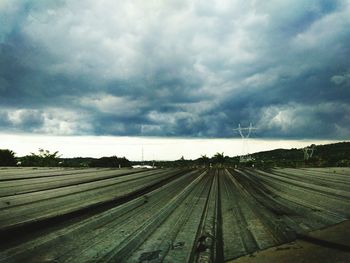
<point>4,121</point>
<point>176,68</point>
<point>314,121</point>
<point>341,79</point>
<point>21,120</point>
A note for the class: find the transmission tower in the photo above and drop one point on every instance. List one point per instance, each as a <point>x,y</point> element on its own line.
<point>308,151</point>
<point>245,134</point>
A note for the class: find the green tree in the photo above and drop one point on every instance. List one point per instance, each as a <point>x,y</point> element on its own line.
<point>204,159</point>
<point>219,159</point>
<point>43,158</point>
<point>7,158</point>
<point>113,161</point>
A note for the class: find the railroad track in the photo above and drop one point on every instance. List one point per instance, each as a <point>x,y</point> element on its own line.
<point>163,215</point>
<point>248,225</point>
<point>314,178</point>
<point>157,237</point>
<point>112,222</point>
<point>311,210</point>
<point>32,185</point>
<point>31,210</point>
<point>310,195</point>
<point>47,173</point>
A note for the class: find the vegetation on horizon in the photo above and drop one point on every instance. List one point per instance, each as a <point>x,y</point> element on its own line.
<point>7,158</point>
<point>337,154</point>
<point>43,159</point>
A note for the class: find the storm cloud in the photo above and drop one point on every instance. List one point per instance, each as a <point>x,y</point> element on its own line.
<point>175,68</point>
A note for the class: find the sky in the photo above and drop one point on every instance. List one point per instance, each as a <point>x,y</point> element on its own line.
<point>173,69</point>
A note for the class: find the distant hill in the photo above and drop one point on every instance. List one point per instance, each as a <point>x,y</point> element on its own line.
<point>336,154</point>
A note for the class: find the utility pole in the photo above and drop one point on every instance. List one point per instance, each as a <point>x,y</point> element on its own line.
<point>142,155</point>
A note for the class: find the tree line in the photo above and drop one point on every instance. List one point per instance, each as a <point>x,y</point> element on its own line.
<point>337,154</point>
<point>45,158</point>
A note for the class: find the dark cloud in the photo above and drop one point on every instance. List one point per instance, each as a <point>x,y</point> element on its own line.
<point>180,68</point>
